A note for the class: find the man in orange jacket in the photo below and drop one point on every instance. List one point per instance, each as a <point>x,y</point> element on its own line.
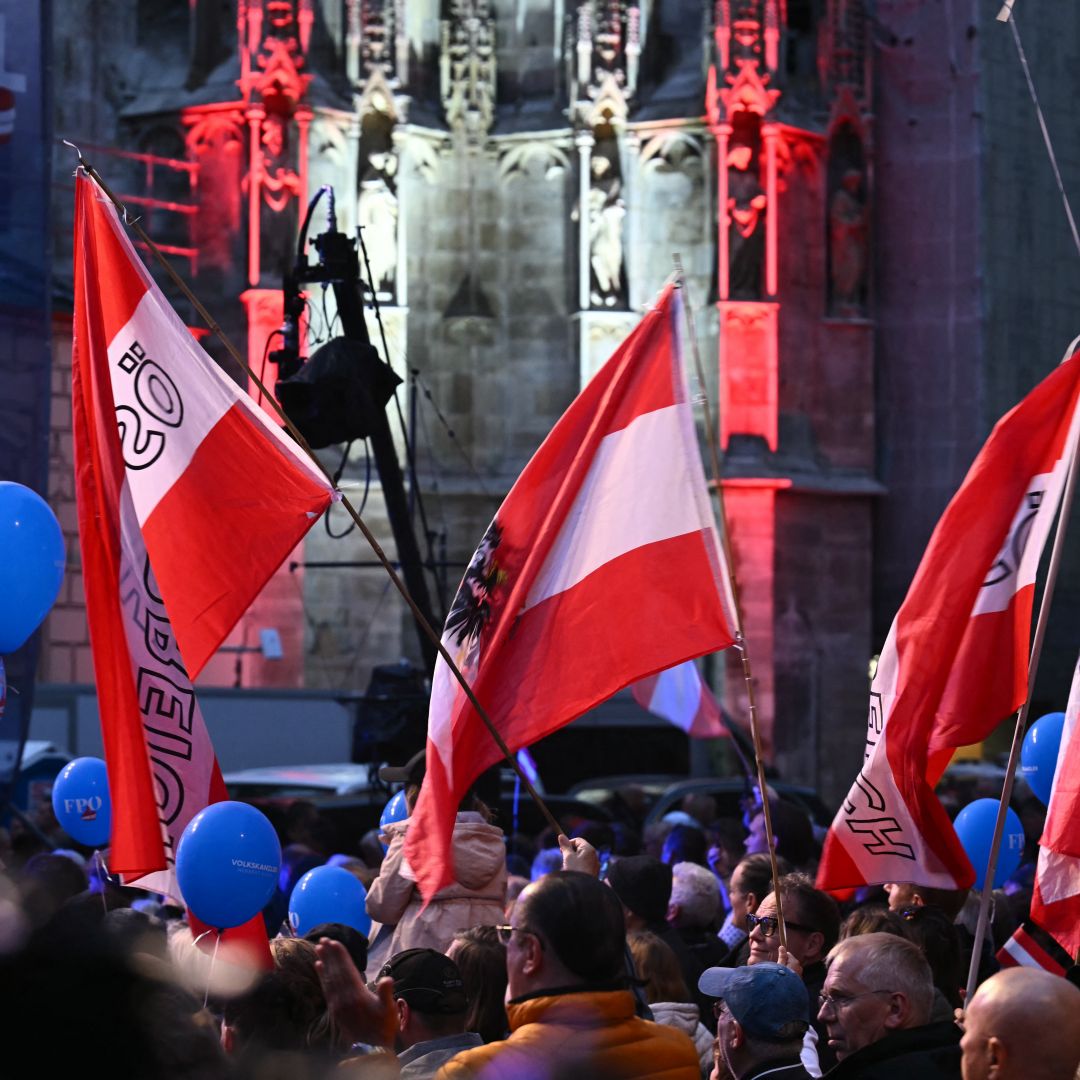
<point>569,1006</point>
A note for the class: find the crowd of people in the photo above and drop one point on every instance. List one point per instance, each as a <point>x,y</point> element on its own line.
<point>613,950</point>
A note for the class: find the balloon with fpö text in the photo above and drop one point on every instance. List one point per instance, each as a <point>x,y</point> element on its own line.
<point>328,894</point>
<point>80,798</point>
<point>974,827</point>
<point>31,563</point>
<point>1039,754</point>
<point>227,863</point>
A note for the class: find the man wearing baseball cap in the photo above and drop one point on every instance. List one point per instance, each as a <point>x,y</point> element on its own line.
<point>429,995</point>
<point>762,1013</point>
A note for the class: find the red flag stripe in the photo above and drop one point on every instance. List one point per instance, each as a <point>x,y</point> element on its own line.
<point>1055,905</point>
<point>211,571</point>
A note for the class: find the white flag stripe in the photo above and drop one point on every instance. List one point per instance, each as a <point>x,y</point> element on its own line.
<point>606,519</point>
<point>677,695</point>
<point>158,381</point>
<point>1008,575</point>
<point>181,755</point>
<point>1020,954</point>
<point>148,390</point>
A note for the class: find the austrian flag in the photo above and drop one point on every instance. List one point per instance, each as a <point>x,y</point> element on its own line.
<point>189,499</point>
<point>602,567</point>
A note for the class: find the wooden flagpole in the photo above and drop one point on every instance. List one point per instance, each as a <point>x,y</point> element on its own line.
<point>740,639</point>
<point>1022,714</point>
<point>422,622</point>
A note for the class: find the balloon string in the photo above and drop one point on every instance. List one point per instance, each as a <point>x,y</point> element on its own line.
<point>103,871</point>
<point>213,957</point>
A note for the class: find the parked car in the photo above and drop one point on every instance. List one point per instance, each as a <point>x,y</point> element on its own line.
<point>658,794</point>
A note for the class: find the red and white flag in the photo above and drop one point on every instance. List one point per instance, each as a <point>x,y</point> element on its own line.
<point>1055,905</point>
<point>189,499</point>
<point>602,567</point>
<point>679,696</point>
<point>955,663</point>
<point>1030,946</point>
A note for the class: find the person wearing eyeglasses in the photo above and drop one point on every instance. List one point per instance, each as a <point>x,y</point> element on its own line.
<point>812,922</point>
<point>570,1011</point>
<point>761,1015</point>
<point>875,1006</point>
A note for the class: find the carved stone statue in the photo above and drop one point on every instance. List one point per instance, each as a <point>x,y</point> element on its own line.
<point>606,213</point>
<point>377,216</point>
<point>848,246</point>
<point>746,234</point>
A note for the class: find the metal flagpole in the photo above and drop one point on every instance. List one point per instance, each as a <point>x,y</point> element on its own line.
<point>1022,714</point>
<point>740,639</point>
<point>422,622</point>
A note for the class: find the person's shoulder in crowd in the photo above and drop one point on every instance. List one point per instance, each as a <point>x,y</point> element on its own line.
<point>580,1035</point>
<point>928,1052</point>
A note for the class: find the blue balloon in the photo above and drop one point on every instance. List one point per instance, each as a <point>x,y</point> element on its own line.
<point>31,563</point>
<point>227,863</point>
<point>80,798</point>
<point>1039,754</point>
<point>974,827</point>
<point>328,894</point>
<point>394,810</point>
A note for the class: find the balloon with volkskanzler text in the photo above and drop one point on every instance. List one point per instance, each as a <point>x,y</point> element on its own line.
<point>1039,754</point>
<point>227,863</point>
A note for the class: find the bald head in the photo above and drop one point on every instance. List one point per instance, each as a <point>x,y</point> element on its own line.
<point>1022,1023</point>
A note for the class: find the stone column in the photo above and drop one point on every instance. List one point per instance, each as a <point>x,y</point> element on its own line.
<point>255,117</point>
<point>584,141</point>
<point>770,133</point>
<point>631,172</point>
<point>722,133</point>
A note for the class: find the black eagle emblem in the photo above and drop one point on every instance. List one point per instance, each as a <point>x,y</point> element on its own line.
<point>471,609</point>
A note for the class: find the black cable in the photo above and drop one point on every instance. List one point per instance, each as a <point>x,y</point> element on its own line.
<point>262,366</point>
<point>451,434</point>
<point>410,453</point>
<point>337,479</point>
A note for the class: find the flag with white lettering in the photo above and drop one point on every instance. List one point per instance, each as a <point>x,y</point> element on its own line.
<point>1055,905</point>
<point>955,663</point>
<point>189,499</point>
<point>602,566</point>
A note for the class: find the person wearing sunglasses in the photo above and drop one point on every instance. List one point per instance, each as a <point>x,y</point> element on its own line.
<point>812,921</point>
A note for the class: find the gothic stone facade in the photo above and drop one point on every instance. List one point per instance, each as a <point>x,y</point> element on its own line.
<point>523,175</point>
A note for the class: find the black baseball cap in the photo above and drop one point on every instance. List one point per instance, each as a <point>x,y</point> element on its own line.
<point>429,981</point>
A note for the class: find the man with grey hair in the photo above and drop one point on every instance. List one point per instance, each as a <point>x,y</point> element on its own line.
<point>693,910</point>
<point>1022,1024</point>
<point>875,1005</point>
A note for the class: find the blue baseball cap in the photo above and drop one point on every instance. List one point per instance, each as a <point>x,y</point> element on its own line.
<point>764,998</point>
